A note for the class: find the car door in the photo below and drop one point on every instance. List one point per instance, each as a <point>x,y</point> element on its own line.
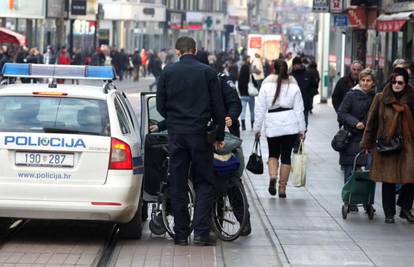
<point>155,147</point>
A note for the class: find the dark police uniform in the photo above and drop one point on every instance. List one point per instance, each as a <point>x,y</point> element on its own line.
<point>232,102</point>
<point>188,97</point>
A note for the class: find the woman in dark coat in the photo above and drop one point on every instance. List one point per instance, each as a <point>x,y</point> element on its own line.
<point>243,85</point>
<point>391,115</point>
<point>353,114</point>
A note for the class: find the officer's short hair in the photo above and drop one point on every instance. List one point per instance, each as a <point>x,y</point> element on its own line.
<point>185,44</point>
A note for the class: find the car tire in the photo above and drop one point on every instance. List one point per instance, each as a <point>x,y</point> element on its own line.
<point>4,225</point>
<point>133,228</point>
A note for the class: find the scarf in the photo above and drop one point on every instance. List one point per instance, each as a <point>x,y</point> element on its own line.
<point>406,122</point>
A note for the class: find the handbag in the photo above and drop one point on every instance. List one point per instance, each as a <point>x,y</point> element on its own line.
<point>251,89</point>
<point>341,139</point>
<point>299,163</point>
<point>394,146</point>
<point>255,163</point>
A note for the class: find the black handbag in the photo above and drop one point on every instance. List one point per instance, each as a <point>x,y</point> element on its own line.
<point>341,140</point>
<point>255,163</point>
<point>394,146</point>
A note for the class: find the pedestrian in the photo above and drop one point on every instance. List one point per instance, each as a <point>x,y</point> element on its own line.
<point>353,114</point>
<point>258,70</point>
<point>77,59</point>
<point>49,57</point>
<point>345,84</point>
<point>390,119</point>
<point>279,109</point>
<point>136,62</point>
<point>155,66</point>
<point>316,77</point>
<point>98,58</point>
<point>305,83</point>
<point>243,84</point>
<point>189,97</point>
<point>144,62</point>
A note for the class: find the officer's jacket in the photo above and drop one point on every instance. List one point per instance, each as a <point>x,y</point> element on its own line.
<point>189,96</point>
<point>231,99</point>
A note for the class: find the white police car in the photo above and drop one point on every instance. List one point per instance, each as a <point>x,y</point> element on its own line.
<point>69,151</point>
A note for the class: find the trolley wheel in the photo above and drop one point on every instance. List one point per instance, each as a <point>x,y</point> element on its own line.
<point>156,225</point>
<point>345,209</point>
<point>168,218</point>
<point>230,212</point>
<point>370,211</point>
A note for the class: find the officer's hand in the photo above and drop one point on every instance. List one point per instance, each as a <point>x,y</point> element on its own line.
<point>153,128</point>
<point>229,121</point>
<point>218,145</point>
<point>360,126</point>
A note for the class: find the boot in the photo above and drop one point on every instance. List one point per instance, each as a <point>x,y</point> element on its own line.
<point>243,125</point>
<point>272,165</point>
<point>283,179</point>
<point>252,122</point>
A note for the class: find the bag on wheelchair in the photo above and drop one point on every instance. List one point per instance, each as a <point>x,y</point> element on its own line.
<point>225,165</point>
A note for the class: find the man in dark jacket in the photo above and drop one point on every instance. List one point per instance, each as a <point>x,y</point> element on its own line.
<point>155,67</point>
<point>189,97</point>
<point>232,104</point>
<point>305,83</point>
<point>345,84</point>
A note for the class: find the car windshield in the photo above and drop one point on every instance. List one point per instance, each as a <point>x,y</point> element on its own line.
<point>54,115</point>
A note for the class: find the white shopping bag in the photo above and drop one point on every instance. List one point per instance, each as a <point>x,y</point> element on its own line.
<point>298,170</point>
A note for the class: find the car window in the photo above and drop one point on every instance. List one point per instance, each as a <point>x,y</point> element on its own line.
<point>128,111</point>
<point>154,117</point>
<point>122,118</point>
<point>54,114</point>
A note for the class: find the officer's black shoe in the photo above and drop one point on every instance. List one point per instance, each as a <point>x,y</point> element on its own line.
<point>181,242</point>
<point>247,229</point>
<point>207,240</point>
<point>389,219</point>
<point>406,214</point>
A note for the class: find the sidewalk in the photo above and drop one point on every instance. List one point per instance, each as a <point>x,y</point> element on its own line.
<point>307,226</point>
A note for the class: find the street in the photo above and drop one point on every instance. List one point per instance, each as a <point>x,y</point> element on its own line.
<point>305,229</point>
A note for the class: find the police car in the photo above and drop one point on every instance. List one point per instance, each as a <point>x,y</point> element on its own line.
<point>69,152</point>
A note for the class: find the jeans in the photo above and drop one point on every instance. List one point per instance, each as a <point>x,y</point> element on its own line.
<point>245,100</point>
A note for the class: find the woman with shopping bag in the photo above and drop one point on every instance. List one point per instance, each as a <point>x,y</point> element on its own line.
<point>279,110</point>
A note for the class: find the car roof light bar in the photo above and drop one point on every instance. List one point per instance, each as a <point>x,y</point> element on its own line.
<point>58,71</point>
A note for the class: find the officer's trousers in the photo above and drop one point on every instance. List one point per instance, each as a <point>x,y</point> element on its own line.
<point>183,149</point>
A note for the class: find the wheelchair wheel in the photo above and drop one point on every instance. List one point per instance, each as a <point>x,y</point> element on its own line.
<point>167,216</point>
<point>156,225</point>
<point>230,212</point>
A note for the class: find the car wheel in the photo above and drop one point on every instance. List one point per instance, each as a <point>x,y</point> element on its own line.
<point>133,228</point>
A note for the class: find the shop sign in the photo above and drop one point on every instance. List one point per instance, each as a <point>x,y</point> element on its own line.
<point>78,7</point>
<point>175,20</point>
<point>27,9</point>
<point>194,20</point>
<point>390,25</point>
<point>340,20</point>
<point>320,6</point>
<point>336,6</point>
<point>357,18</point>
<point>255,42</point>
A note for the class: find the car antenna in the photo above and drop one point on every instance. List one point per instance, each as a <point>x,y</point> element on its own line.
<point>52,81</point>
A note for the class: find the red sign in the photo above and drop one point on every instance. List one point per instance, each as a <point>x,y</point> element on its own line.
<point>390,25</point>
<point>357,18</point>
<point>255,42</point>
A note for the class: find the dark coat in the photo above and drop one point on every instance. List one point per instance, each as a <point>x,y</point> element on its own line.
<point>306,85</point>
<point>155,66</point>
<point>232,103</point>
<point>343,85</point>
<point>394,168</point>
<point>243,80</point>
<point>314,74</point>
<point>353,109</point>
<point>189,96</point>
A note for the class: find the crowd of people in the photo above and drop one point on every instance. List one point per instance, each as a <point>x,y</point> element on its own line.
<point>380,123</point>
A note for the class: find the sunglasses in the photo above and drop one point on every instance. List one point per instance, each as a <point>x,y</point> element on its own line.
<point>397,82</point>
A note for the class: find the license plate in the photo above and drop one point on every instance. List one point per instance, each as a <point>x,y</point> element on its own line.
<point>44,159</point>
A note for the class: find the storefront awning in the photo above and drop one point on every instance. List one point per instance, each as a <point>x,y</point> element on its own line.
<point>8,36</point>
<point>393,22</point>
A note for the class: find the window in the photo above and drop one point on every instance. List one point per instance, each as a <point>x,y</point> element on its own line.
<point>128,111</point>
<point>153,116</point>
<point>54,115</point>
<point>123,121</point>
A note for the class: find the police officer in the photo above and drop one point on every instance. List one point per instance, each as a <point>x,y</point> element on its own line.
<point>188,97</point>
<point>232,104</point>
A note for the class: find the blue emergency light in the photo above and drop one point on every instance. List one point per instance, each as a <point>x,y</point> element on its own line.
<point>58,71</point>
